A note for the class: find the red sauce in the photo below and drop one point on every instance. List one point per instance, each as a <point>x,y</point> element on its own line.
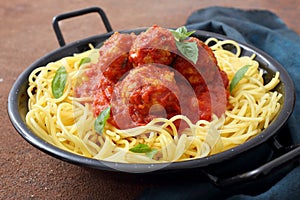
<point>147,92</point>
<point>102,95</point>
<point>207,80</point>
<point>144,77</point>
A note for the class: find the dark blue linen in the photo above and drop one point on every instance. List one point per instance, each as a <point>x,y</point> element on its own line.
<point>266,31</point>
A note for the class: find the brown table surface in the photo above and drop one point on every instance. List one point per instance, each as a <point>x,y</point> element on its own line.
<point>26,34</point>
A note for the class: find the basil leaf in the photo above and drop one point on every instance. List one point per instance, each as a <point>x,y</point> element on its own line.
<point>59,82</point>
<point>84,60</point>
<point>144,148</point>
<point>177,35</point>
<point>181,33</point>
<point>238,76</point>
<point>140,148</point>
<point>189,50</point>
<point>100,122</point>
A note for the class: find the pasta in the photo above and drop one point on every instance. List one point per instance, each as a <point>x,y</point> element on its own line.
<point>67,121</point>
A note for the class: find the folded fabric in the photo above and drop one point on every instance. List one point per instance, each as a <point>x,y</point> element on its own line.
<point>266,31</point>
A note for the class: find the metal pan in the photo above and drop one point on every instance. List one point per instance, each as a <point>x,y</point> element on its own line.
<point>259,157</point>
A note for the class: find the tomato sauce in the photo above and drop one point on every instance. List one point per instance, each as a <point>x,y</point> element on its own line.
<point>143,77</point>
<point>147,92</point>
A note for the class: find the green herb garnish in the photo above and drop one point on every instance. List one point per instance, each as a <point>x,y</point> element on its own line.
<point>188,49</point>
<point>84,60</point>
<point>59,82</point>
<point>100,122</point>
<point>144,148</point>
<point>181,33</point>
<point>140,148</point>
<point>238,76</point>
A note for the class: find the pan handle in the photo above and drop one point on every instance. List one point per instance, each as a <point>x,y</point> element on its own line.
<point>76,13</point>
<point>274,166</point>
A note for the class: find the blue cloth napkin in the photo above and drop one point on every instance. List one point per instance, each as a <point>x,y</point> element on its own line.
<point>266,31</point>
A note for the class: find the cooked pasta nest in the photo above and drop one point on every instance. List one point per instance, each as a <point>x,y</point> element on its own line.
<point>66,122</point>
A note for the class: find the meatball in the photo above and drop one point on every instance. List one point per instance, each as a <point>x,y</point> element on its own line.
<point>112,65</point>
<point>147,92</point>
<point>207,80</point>
<point>145,77</point>
<point>113,56</point>
<point>156,45</point>
<point>205,68</point>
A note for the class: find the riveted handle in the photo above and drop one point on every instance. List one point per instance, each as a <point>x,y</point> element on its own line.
<point>290,156</point>
<point>60,17</point>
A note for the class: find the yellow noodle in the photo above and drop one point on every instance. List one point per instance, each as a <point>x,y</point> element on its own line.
<point>67,122</point>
